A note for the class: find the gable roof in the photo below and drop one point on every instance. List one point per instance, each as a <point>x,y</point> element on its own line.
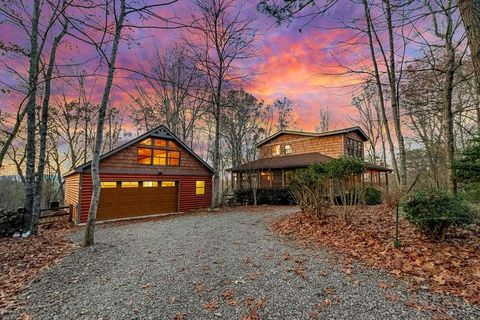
<point>357,129</point>
<point>158,132</point>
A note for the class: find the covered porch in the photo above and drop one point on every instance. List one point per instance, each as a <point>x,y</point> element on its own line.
<point>278,172</point>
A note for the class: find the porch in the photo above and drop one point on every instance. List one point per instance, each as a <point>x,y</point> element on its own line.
<point>278,172</point>
<point>281,178</point>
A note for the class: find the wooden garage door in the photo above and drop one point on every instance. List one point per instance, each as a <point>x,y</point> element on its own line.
<point>121,202</point>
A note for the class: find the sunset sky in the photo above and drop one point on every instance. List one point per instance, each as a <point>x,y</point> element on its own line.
<point>298,65</point>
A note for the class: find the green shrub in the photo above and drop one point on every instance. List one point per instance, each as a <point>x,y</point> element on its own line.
<point>309,188</point>
<point>435,210</point>
<point>274,196</point>
<point>372,196</point>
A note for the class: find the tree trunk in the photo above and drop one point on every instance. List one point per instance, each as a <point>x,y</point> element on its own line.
<point>380,91</point>
<point>394,100</point>
<point>216,156</point>
<point>31,121</point>
<point>43,134</point>
<point>95,166</point>
<point>470,12</point>
<point>447,105</point>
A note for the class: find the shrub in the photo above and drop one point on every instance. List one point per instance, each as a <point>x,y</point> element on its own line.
<point>274,196</point>
<point>372,196</point>
<point>435,210</point>
<point>345,176</point>
<point>309,188</point>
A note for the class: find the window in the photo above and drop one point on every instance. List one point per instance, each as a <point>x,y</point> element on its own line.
<point>288,177</point>
<point>168,183</point>
<point>129,184</point>
<point>150,184</point>
<point>353,148</point>
<point>160,157</point>
<point>266,178</point>
<point>288,149</point>
<point>266,175</point>
<point>276,150</point>
<point>146,142</point>
<point>200,187</point>
<point>144,156</point>
<point>158,152</point>
<point>173,158</point>
<point>108,184</point>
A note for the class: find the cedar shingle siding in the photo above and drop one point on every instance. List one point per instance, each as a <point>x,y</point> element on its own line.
<point>126,161</point>
<point>331,146</point>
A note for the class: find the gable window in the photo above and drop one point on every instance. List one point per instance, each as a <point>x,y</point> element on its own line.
<point>200,187</point>
<point>160,152</point>
<point>353,148</point>
<point>288,149</point>
<point>276,150</point>
<point>129,184</point>
<point>144,156</point>
<point>108,184</point>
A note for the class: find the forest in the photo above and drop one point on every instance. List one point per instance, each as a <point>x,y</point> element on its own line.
<point>69,92</point>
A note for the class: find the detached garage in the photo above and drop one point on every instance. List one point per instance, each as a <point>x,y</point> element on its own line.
<point>153,174</point>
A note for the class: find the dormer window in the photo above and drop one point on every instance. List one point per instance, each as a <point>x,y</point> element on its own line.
<point>276,150</point>
<point>288,149</point>
<point>158,152</point>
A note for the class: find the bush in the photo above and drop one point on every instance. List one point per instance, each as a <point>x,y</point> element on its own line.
<point>309,188</point>
<point>274,196</point>
<point>435,210</point>
<point>372,196</point>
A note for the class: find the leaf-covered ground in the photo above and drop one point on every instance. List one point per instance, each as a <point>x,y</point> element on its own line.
<point>451,267</point>
<point>22,259</point>
<point>225,264</point>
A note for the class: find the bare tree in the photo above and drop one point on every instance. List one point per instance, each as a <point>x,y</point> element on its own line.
<point>172,92</point>
<point>242,117</point>
<point>369,118</point>
<point>118,12</point>
<point>324,120</point>
<point>283,109</point>
<point>43,129</point>
<point>470,12</point>
<point>219,40</point>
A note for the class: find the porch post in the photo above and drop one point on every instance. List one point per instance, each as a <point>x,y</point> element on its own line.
<point>386,179</point>
<point>283,178</point>
<point>371,178</point>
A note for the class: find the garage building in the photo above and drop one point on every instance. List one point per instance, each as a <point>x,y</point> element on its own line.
<point>156,173</point>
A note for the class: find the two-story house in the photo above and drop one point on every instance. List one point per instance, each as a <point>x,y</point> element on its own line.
<point>283,152</point>
<point>155,173</point>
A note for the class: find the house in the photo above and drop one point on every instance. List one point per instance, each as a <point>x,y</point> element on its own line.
<point>283,152</point>
<point>156,173</point>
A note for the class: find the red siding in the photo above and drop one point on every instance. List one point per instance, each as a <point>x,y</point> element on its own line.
<point>188,200</point>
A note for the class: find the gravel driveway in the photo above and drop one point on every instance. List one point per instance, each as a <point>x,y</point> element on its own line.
<point>219,266</point>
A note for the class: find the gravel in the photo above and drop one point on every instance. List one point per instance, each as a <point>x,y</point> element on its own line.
<point>219,266</point>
